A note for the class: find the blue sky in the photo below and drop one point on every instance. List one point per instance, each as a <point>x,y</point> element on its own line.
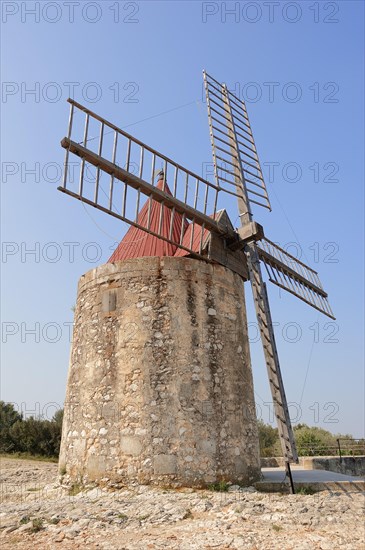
<point>299,65</point>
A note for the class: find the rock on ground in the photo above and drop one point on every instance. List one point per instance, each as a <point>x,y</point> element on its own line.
<point>38,513</point>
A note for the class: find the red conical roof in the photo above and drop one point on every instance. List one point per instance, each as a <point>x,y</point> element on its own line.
<point>137,243</point>
<point>195,243</point>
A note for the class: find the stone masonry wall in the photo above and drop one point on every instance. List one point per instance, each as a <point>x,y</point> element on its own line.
<point>160,386</point>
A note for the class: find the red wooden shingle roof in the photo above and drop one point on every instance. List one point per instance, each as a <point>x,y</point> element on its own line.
<point>195,245</point>
<point>137,243</point>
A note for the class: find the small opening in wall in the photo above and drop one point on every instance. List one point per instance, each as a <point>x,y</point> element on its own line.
<point>109,301</point>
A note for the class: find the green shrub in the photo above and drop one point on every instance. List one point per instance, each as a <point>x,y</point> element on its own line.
<point>221,486</point>
<point>31,436</point>
<point>75,489</point>
<point>37,525</point>
<point>304,491</point>
<point>310,441</point>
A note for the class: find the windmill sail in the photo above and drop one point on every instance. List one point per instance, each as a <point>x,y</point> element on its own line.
<point>236,162</point>
<point>233,115</point>
<point>164,218</point>
<point>129,166</point>
<point>265,325</point>
<point>263,315</point>
<point>289,273</point>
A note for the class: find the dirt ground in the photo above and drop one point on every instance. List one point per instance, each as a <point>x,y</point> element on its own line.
<point>38,513</point>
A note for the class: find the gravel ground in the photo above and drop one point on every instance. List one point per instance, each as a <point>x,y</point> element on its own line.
<point>38,513</point>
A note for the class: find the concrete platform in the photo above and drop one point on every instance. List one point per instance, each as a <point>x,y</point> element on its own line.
<point>274,480</point>
<point>309,476</point>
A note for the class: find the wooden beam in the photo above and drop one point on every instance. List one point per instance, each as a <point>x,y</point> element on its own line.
<point>146,188</point>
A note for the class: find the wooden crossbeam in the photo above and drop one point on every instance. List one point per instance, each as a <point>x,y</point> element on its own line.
<point>148,189</point>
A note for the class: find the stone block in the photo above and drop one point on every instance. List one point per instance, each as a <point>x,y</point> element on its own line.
<point>207,446</point>
<point>96,466</point>
<point>130,445</point>
<point>164,464</point>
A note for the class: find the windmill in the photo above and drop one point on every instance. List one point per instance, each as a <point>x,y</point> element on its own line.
<point>182,210</point>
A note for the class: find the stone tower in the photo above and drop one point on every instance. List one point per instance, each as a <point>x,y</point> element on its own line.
<point>160,386</point>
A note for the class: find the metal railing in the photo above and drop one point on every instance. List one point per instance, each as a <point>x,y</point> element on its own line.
<point>354,449</point>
